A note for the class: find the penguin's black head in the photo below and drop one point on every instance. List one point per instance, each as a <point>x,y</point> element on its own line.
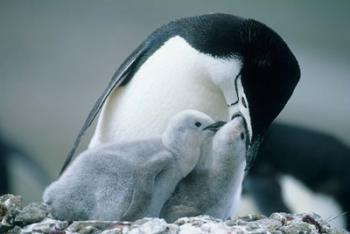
<point>269,71</point>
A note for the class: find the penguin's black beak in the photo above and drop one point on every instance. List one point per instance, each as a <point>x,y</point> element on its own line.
<point>215,126</point>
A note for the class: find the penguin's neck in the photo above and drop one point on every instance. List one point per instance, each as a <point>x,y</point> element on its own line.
<point>186,152</point>
<point>176,77</point>
<point>226,178</point>
<point>227,159</point>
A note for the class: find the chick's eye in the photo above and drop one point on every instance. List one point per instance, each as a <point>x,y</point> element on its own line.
<point>198,124</point>
<point>242,136</point>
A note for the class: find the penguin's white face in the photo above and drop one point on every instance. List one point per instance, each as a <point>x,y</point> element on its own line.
<point>240,106</point>
<point>225,73</point>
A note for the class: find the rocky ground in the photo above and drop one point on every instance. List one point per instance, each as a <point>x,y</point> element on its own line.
<point>35,218</point>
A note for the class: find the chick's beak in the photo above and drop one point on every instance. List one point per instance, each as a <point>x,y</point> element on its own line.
<point>215,126</point>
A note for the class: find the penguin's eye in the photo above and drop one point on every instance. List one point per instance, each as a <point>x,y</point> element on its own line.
<point>242,136</point>
<point>198,124</point>
<point>244,102</point>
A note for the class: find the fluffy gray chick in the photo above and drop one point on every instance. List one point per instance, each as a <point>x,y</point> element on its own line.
<point>127,181</point>
<point>214,185</point>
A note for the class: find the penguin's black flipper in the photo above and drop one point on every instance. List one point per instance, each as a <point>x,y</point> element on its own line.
<point>124,72</point>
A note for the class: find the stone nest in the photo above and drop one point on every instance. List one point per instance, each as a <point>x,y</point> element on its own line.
<point>36,218</point>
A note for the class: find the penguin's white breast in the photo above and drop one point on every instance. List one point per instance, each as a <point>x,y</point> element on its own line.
<point>176,77</point>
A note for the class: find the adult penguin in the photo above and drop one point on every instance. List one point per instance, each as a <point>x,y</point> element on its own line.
<point>219,64</point>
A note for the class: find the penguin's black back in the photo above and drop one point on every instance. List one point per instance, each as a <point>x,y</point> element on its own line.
<point>312,157</point>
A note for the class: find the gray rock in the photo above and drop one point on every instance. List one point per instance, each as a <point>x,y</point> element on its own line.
<point>268,224</point>
<point>299,228</point>
<point>303,223</point>
<point>113,231</point>
<point>14,230</point>
<point>150,225</point>
<point>11,201</point>
<point>10,206</point>
<point>49,226</point>
<point>92,227</point>
<point>201,224</point>
<point>34,212</point>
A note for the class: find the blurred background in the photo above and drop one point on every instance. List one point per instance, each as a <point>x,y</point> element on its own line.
<point>56,57</point>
